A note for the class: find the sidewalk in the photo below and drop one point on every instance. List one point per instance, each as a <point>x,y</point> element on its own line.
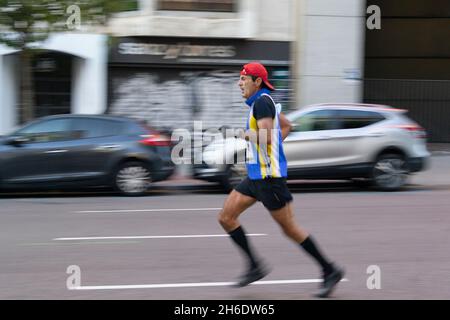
<point>437,149</point>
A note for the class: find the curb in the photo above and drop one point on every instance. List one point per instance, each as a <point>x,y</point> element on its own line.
<point>440,153</point>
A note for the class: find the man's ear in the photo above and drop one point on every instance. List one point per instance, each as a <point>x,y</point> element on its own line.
<point>258,82</point>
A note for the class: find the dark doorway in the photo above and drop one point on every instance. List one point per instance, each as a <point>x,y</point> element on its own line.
<point>52,74</point>
<point>407,62</point>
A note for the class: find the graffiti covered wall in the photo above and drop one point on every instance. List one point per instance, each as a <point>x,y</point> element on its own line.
<point>173,98</point>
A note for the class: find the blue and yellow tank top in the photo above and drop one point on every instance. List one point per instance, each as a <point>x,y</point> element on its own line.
<point>265,161</point>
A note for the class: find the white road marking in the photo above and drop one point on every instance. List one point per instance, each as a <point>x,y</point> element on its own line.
<point>193,285</point>
<point>151,210</point>
<point>157,237</point>
<point>77,243</point>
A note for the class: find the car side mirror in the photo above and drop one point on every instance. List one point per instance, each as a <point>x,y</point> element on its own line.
<point>17,140</point>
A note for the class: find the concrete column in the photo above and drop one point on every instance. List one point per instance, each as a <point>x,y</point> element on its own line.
<point>331,51</point>
<point>9,84</point>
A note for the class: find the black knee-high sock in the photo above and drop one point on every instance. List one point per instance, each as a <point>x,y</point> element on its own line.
<point>311,247</point>
<point>239,237</point>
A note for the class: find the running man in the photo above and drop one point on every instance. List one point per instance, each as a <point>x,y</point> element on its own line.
<point>267,127</point>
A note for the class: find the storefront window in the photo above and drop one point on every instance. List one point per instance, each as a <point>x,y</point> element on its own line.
<point>198,5</point>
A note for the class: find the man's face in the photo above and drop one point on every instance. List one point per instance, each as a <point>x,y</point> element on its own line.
<point>248,86</point>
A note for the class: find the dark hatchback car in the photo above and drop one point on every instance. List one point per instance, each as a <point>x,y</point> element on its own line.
<point>85,151</point>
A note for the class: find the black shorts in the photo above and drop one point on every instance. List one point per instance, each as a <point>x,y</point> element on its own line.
<point>272,192</point>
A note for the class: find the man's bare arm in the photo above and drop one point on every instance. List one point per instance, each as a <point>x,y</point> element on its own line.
<point>285,125</point>
<point>261,135</point>
<point>265,126</point>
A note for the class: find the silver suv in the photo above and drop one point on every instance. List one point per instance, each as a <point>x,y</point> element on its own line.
<point>370,144</point>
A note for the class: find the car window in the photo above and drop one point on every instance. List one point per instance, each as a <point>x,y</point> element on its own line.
<point>315,121</point>
<point>353,119</point>
<point>95,128</point>
<point>47,131</point>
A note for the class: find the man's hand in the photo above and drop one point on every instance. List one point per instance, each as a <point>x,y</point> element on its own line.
<point>247,135</point>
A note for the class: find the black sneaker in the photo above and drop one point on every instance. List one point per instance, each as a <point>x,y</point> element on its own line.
<point>330,281</point>
<point>252,275</point>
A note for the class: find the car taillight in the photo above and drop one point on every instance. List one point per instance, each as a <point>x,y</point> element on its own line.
<point>156,140</point>
<point>416,130</point>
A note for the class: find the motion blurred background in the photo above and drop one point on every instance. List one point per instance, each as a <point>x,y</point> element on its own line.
<point>169,62</point>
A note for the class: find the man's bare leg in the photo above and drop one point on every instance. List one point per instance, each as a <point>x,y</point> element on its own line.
<point>236,204</point>
<point>286,220</point>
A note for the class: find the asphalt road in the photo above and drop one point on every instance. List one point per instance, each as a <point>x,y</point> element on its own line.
<point>169,245</point>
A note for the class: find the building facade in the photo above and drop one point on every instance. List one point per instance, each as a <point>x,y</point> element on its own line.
<point>171,62</point>
<point>313,50</point>
<point>70,76</point>
<point>176,62</point>
<point>407,62</point>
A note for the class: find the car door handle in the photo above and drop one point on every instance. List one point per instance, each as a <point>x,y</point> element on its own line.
<point>108,147</point>
<point>324,138</point>
<point>375,134</point>
<point>55,151</point>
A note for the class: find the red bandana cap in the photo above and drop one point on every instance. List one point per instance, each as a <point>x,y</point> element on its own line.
<point>258,70</point>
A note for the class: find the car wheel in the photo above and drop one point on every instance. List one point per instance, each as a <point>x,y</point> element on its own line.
<point>390,172</point>
<point>132,179</point>
<point>234,175</point>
